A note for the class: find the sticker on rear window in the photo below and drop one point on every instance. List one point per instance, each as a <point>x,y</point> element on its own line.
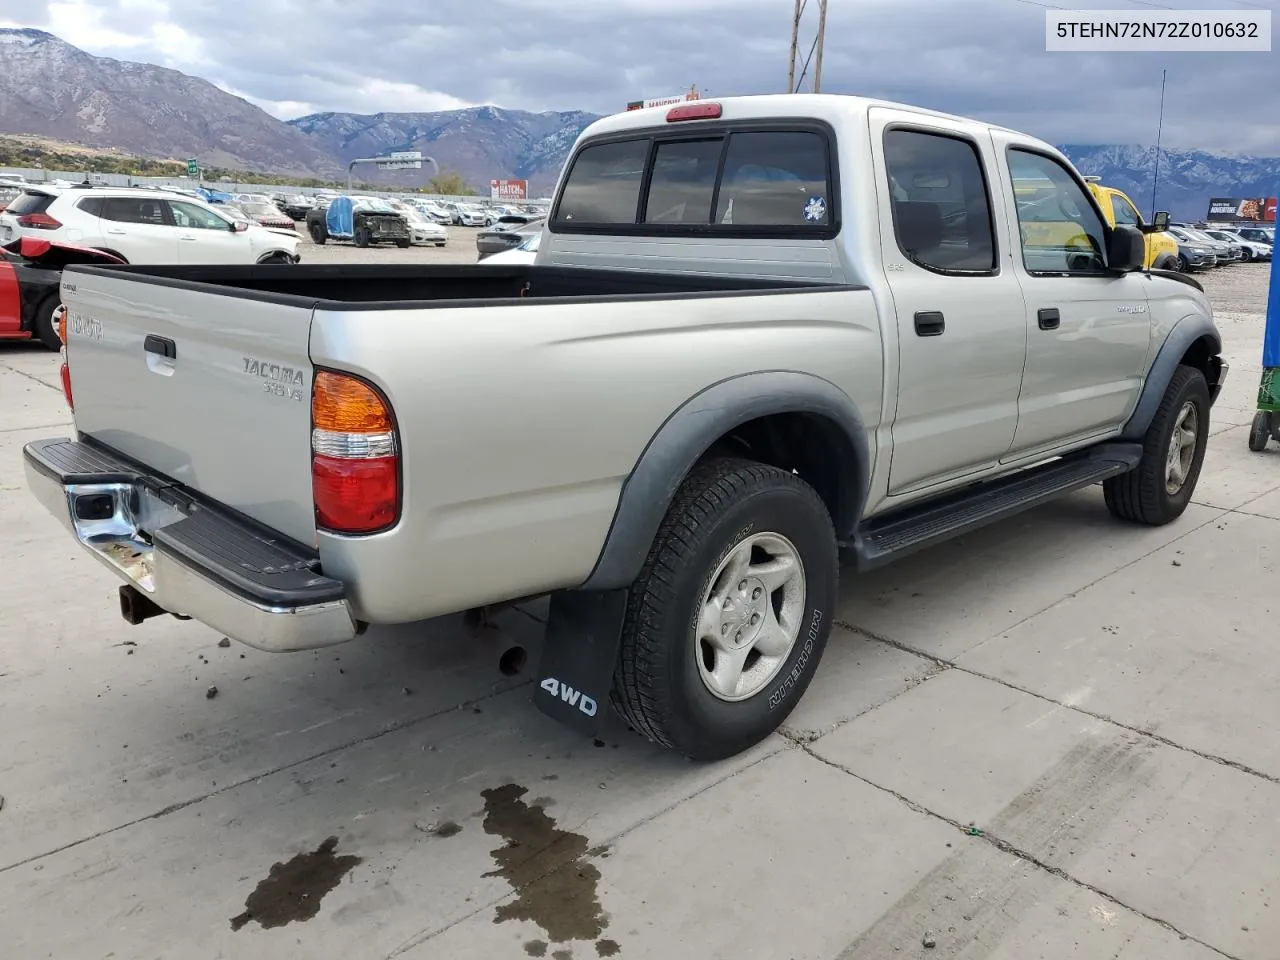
<point>815,209</point>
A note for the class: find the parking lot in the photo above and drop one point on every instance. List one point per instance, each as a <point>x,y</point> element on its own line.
<point>1051,739</point>
<point>461,248</point>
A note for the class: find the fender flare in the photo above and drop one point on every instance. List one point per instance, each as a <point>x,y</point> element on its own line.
<point>690,431</point>
<point>1166,261</point>
<point>1184,333</point>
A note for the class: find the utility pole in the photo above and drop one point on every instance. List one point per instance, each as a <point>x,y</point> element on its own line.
<point>794,82</point>
<point>795,42</point>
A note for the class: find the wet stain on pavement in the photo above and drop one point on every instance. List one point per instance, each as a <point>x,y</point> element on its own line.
<point>447,829</point>
<point>536,948</point>
<point>547,867</point>
<point>293,890</point>
<point>607,948</point>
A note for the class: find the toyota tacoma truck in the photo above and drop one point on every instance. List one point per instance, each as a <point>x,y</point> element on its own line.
<point>762,336</point>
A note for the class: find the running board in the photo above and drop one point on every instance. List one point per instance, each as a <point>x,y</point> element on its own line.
<point>885,539</point>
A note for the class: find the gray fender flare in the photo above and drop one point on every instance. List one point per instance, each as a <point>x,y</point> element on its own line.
<point>690,431</point>
<point>1184,333</point>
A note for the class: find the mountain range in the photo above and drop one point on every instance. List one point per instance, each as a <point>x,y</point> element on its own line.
<point>52,89</point>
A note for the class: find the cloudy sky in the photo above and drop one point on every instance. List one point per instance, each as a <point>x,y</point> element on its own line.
<point>983,58</point>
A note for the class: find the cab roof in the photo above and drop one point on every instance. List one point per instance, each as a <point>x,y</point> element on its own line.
<point>820,106</point>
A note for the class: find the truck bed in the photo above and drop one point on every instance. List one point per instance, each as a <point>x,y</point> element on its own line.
<point>401,286</point>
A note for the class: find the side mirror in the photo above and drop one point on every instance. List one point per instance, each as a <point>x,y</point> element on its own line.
<point>1160,221</point>
<point>239,226</point>
<point>1126,249</point>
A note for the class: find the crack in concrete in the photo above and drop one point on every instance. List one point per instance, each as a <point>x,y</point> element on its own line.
<point>1157,738</point>
<point>33,379</point>
<point>183,804</point>
<point>800,736</point>
<point>1006,847</point>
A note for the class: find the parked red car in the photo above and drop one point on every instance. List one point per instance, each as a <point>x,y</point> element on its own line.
<point>30,277</point>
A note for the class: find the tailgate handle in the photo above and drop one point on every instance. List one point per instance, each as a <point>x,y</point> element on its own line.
<point>930,323</point>
<point>160,345</point>
<point>1048,318</point>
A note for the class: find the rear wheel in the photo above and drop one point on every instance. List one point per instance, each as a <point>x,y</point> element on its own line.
<point>1158,489</point>
<point>44,328</point>
<point>318,234</point>
<point>730,614</point>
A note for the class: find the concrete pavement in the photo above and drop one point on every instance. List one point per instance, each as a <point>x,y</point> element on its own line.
<point>1053,739</point>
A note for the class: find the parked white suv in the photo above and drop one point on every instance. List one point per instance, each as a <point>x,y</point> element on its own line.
<point>143,226</point>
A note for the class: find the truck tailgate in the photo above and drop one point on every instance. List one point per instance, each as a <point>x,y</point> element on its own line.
<point>210,389</point>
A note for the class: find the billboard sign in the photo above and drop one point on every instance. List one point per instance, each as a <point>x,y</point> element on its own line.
<point>1232,209</point>
<point>663,101</point>
<point>508,189</point>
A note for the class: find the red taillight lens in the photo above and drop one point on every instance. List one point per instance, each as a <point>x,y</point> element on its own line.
<point>355,460</point>
<point>38,221</point>
<point>355,496</point>
<point>65,375</point>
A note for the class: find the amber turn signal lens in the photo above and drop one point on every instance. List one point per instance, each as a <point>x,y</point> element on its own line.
<point>60,320</point>
<point>345,404</point>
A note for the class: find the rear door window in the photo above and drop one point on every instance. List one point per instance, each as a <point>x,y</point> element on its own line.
<point>603,186</point>
<point>90,205</point>
<point>134,210</point>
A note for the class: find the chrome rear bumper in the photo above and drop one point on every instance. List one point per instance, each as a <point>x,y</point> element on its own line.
<point>189,557</point>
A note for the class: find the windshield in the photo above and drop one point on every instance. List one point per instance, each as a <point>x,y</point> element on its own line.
<point>372,204</point>
<point>259,209</point>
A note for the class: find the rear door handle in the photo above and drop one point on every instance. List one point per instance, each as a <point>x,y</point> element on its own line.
<point>116,233</point>
<point>930,323</point>
<point>188,236</point>
<point>1048,318</point>
<point>162,346</point>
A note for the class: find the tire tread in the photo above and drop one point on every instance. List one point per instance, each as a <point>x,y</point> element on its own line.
<point>641,690</point>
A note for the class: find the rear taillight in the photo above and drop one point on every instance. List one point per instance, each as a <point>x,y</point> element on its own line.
<point>65,375</point>
<point>38,221</point>
<point>355,460</point>
<point>60,322</point>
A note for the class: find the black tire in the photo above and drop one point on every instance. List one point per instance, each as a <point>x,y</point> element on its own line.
<point>403,244</point>
<point>1260,431</point>
<point>1141,495</point>
<point>1246,255</point>
<point>318,234</point>
<point>1182,265</point>
<point>43,328</point>
<point>658,686</point>
<point>361,237</point>
<point>277,258</point>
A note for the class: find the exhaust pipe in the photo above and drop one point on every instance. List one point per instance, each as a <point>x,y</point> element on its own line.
<point>478,626</point>
<point>512,661</point>
<point>136,606</point>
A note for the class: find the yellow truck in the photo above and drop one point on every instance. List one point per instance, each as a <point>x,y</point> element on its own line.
<point>1162,248</point>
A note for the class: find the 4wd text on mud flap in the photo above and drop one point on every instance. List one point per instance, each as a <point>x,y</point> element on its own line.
<point>569,695</point>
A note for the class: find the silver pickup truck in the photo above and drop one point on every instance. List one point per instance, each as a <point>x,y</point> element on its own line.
<point>762,335</point>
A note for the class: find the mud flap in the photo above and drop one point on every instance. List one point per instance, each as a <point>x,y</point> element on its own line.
<point>584,633</point>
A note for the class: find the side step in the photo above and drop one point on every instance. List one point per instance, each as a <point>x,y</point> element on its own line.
<point>884,539</point>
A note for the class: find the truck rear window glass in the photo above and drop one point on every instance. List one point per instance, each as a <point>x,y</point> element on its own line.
<point>775,179</point>
<point>604,185</point>
<point>941,206</point>
<point>26,203</point>
<point>683,181</point>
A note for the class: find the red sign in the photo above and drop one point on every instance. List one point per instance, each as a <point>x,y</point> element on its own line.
<point>1270,214</point>
<point>509,189</point>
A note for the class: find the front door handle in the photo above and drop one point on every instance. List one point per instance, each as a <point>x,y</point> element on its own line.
<point>930,323</point>
<point>1048,318</point>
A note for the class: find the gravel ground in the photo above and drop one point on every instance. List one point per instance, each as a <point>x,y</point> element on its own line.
<point>460,249</point>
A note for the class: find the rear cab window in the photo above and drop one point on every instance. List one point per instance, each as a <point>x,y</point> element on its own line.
<point>753,179</point>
